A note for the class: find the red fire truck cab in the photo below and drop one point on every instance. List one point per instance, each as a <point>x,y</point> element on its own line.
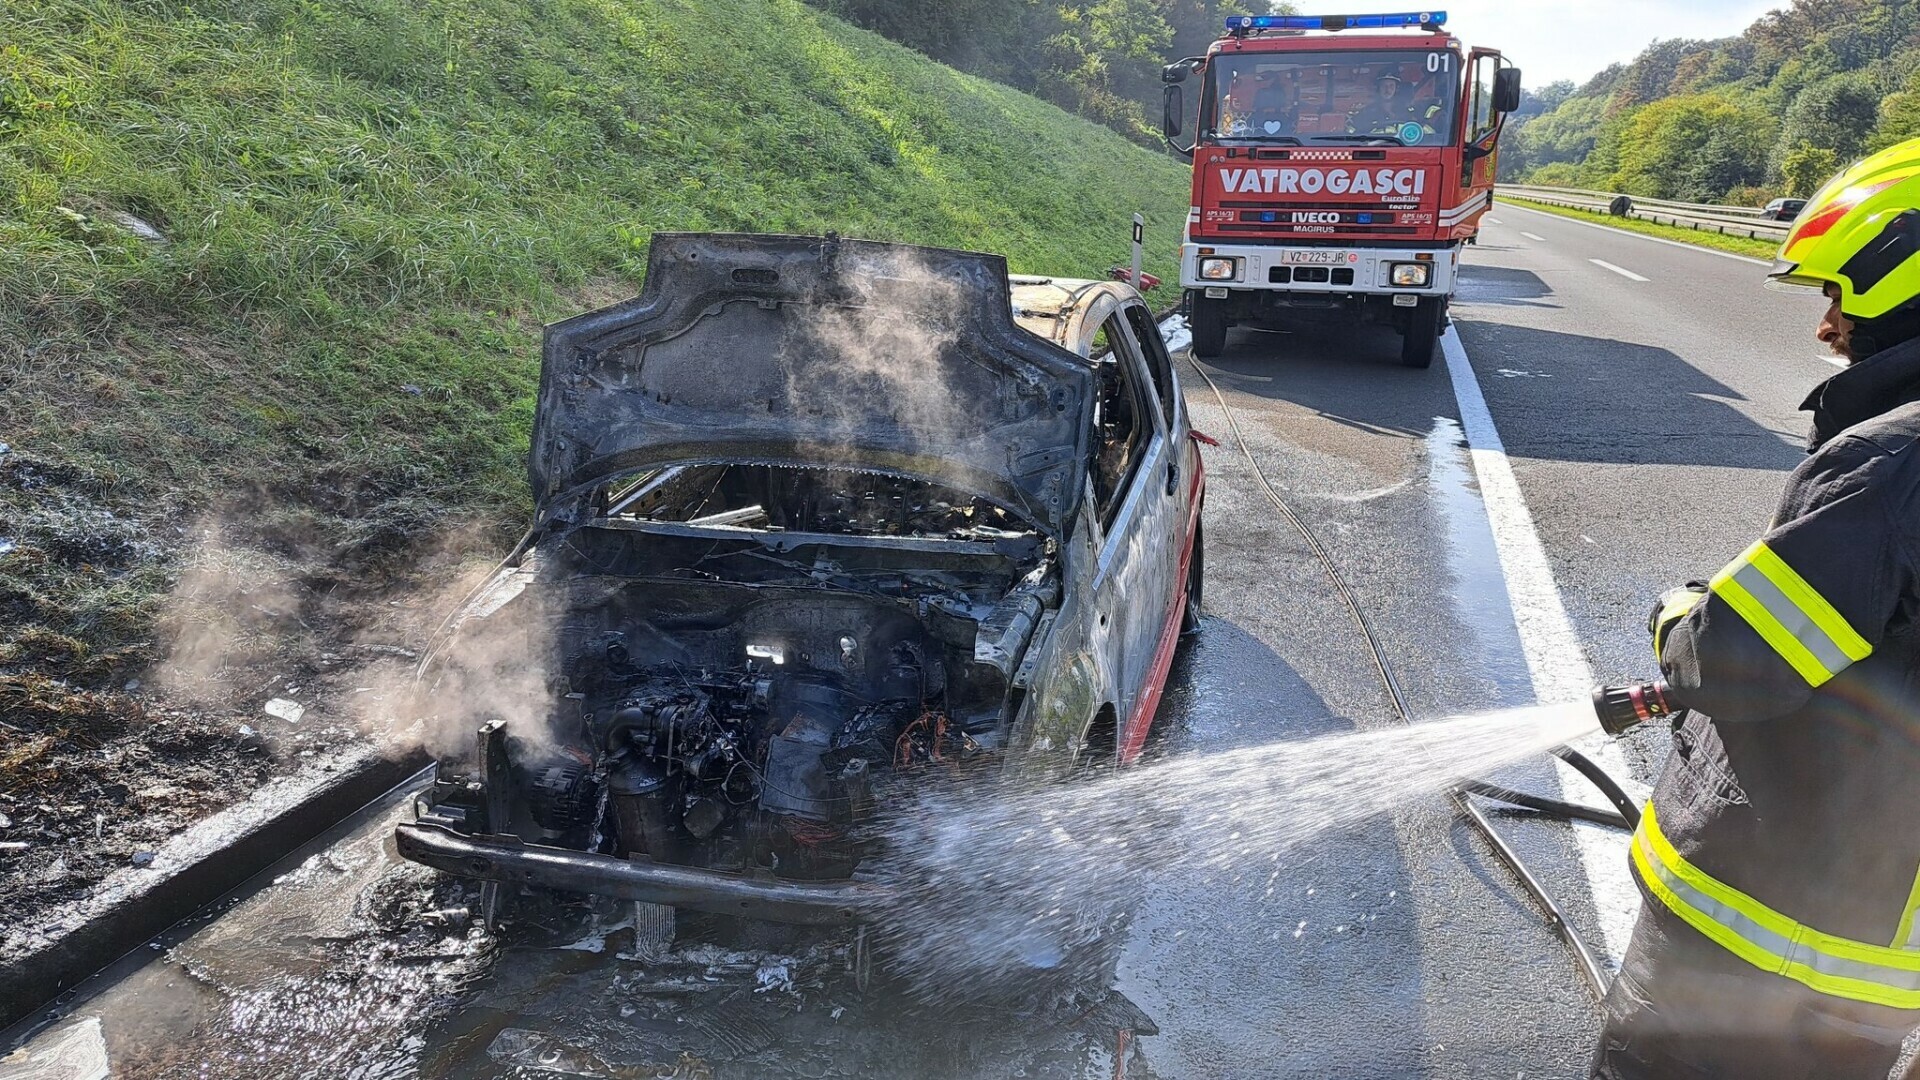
<point>1339,163</point>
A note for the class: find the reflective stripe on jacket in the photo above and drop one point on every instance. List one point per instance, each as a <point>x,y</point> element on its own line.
<point>1882,974</point>
<point>1783,827</point>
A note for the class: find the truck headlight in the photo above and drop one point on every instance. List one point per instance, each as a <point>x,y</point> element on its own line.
<point>1219,269</point>
<point>1411,275</point>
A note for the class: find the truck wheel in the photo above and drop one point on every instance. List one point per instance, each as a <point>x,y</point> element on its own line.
<point>1208,322</point>
<point>1421,334</point>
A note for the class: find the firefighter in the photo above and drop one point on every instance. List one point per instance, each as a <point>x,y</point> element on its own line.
<point>1384,114</point>
<point>1780,855</point>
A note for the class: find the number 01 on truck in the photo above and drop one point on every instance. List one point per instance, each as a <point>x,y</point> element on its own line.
<point>1339,163</point>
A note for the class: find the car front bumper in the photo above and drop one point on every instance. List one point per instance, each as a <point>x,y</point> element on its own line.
<point>511,861</point>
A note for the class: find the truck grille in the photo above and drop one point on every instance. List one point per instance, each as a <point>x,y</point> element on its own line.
<point>1325,275</point>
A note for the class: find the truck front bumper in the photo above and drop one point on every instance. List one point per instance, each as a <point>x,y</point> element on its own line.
<point>1267,267</point>
<point>511,861</point>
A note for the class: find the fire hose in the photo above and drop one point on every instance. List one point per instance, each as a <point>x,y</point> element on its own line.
<point>1617,708</point>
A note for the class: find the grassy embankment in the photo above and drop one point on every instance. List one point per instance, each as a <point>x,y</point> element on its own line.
<point>1739,245</point>
<point>368,209</point>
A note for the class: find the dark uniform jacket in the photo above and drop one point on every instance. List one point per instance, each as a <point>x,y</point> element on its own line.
<point>1795,779</point>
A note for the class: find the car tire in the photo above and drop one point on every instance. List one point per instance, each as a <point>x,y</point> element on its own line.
<point>1422,333</point>
<point>1208,321</point>
<point>1196,577</point>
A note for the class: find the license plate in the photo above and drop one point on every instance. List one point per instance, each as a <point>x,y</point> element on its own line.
<point>1314,258</point>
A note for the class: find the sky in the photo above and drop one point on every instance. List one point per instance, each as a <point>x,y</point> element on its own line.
<point>1571,39</point>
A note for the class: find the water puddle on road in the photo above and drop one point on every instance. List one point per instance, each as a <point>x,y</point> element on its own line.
<point>326,971</point>
<point>998,957</point>
<point>1477,590</point>
<point>355,964</point>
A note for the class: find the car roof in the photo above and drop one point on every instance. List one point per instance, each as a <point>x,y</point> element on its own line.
<point>1067,311</point>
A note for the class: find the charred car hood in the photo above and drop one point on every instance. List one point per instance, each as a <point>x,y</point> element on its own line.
<point>819,352</point>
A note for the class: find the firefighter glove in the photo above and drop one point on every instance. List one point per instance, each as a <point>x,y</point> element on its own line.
<point>1673,606</point>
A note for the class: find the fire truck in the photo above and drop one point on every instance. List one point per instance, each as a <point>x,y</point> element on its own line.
<point>1340,162</point>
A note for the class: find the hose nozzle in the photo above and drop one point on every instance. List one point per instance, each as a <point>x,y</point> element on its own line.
<point>1622,707</point>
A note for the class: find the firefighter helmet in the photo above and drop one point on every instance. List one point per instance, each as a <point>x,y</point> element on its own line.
<point>1861,232</point>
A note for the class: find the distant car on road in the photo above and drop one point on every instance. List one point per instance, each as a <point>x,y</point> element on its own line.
<point>817,521</point>
<point>1783,209</point>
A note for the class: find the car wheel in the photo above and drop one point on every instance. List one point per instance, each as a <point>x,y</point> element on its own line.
<point>1208,321</point>
<point>1421,334</point>
<point>1196,576</point>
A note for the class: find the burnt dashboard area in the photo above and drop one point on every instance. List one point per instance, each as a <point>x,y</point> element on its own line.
<point>739,662</point>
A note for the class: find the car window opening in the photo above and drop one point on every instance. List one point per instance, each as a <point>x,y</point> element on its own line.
<point>842,502</point>
<point>1121,426</point>
<point>1159,364</point>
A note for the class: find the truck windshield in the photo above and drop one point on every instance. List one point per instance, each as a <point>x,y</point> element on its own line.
<point>1404,97</point>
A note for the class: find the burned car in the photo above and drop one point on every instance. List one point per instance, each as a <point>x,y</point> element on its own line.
<point>815,518</point>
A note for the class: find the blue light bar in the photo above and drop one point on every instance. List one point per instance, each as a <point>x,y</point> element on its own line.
<point>1243,24</point>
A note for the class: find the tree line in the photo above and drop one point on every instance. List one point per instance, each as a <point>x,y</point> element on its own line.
<point>1100,59</point>
<point>1771,112</point>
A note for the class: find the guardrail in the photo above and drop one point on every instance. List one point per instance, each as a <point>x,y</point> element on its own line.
<point>1725,220</point>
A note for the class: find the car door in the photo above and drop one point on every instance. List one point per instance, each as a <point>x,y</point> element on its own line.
<point>1185,485</point>
<point>1138,493</point>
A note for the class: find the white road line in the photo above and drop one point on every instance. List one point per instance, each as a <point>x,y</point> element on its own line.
<point>1621,270</point>
<point>1532,236</point>
<point>1493,221</point>
<point>1642,236</point>
<point>1555,659</point>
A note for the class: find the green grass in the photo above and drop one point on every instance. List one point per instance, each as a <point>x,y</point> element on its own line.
<point>370,206</point>
<point>1739,245</point>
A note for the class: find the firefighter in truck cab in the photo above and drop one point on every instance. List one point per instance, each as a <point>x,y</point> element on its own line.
<point>1389,113</point>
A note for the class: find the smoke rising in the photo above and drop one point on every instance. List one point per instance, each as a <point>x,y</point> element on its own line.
<point>887,360</point>
<point>235,609</point>
<point>246,627</point>
<point>493,659</point>
<point>258,610</point>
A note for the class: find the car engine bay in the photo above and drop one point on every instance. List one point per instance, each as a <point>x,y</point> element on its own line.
<point>739,660</point>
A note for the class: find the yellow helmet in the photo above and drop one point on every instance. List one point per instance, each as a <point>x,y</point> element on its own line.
<point>1861,232</point>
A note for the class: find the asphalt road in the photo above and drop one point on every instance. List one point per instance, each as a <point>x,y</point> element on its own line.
<point>1646,398</point>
